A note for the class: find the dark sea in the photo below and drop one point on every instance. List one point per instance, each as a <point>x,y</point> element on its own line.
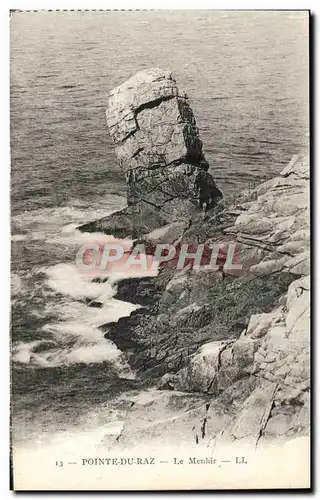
<point>246,75</point>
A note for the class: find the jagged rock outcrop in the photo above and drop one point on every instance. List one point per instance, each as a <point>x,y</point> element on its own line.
<point>275,346</point>
<point>242,343</point>
<point>193,307</point>
<point>158,146</point>
<point>277,224</point>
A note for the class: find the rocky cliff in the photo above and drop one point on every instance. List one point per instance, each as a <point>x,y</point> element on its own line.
<point>230,357</point>
<point>240,345</point>
<point>158,146</point>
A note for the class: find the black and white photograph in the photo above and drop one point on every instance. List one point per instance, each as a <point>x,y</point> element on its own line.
<point>160,249</point>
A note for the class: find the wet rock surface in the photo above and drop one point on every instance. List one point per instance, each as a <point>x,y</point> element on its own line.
<point>143,291</point>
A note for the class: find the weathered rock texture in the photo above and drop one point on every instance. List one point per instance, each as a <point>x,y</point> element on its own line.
<point>277,224</point>
<point>241,344</point>
<point>158,146</point>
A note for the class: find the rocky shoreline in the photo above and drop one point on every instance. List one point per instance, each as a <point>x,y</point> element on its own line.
<point>230,357</point>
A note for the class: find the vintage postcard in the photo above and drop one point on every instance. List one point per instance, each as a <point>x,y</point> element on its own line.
<point>160,255</point>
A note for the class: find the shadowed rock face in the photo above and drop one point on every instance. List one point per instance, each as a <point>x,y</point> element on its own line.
<point>158,146</point>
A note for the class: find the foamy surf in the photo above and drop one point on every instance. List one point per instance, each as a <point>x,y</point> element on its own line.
<point>73,334</point>
<point>75,304</point>
<point>59,223</point>
<point>76,336</point>
<point>16,284</point>
<point>79,352</point>
<point>68,280</point>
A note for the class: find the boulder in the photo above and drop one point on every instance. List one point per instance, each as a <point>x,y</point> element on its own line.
<point>159,150</point>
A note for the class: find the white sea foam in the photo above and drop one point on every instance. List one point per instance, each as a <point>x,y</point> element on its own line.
<point>19,237</point>
<point>16,284</point>
<point>89,316</point>
<point>67,279</point>
<point>60,216</point>
<point>66,353</point>
<point>76,335</point>
<point>73,326</point>
<point>51,224</point>
<point>78,353</point>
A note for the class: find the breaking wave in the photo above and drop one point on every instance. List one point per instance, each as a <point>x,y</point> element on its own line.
<point>75,305</point>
